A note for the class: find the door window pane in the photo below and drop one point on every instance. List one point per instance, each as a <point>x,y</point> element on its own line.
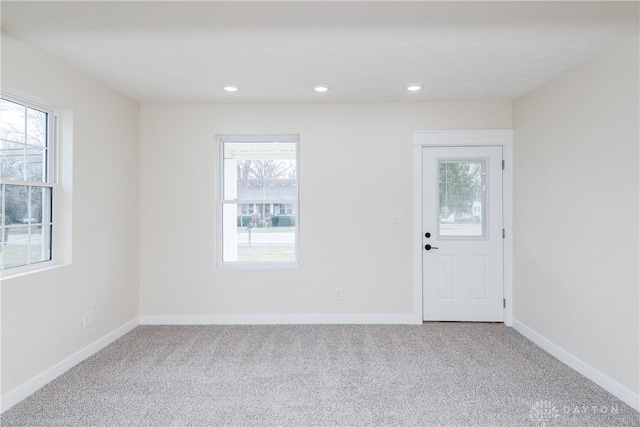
<point>462,207</point>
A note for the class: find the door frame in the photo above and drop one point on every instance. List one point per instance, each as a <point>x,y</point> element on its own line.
<point>464,138</point>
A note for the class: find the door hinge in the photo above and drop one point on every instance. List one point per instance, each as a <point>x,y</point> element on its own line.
<point>504,234</point>
<point>503,164</point>
<point>504,303</point>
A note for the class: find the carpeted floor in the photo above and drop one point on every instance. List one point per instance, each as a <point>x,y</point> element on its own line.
<point>437,374</point>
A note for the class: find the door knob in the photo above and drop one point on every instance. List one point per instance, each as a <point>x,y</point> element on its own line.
<point>429,247</point>
<point>427,235</point>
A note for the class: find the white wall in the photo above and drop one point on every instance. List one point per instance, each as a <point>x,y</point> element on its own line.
<point>576,213</point>
<point>355,172</point>
<point>42,312</point>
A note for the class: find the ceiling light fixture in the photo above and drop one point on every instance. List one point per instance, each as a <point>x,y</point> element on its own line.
<point>321,88</point>
<point>230,88</point>
<point>414,87</point>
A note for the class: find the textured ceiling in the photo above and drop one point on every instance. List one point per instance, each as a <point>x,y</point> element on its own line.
<point>183,52</point>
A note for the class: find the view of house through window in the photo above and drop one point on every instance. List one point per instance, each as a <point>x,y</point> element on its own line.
<point>25,185</point>
<point>259,206</point>
<point>463,188</point>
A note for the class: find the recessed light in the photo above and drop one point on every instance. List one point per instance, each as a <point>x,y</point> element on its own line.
<point>321,88</point>
<point>414,87</point>
<point>230,88</point>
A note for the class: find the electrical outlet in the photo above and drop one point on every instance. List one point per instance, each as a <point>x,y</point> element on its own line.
<point>338,293</point>
<point>87,319</point>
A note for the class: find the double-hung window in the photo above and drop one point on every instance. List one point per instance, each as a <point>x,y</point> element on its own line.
<point>26,184</point>
<point>258,203</point>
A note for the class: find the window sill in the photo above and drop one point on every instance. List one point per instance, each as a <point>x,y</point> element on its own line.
<point>248,266</point>
<point>13,273</point>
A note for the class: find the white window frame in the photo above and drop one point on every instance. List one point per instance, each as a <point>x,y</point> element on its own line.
<point>51,183</point>
<point>221,201</point>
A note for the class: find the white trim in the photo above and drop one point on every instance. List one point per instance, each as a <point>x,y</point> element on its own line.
<point>51,182</point>
<point>61,182</point>
<point>221,201</point>
<point>462,138</point>
<point>27,184</point>
<point>43,107</point>
<point>289,137</point>
<point>24,270</point>
<point>618,390</point>
<point>266,265</point>
<point>63,196</point>
<point>279,319</point>
<point>34,384</point>
<point>507,223</point>
<point>417,233</point>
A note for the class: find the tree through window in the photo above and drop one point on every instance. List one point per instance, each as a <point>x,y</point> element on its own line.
<point>259,204</point>
<point>26,185</point>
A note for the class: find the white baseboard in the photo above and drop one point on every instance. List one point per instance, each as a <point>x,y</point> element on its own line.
<point>621,392</point>
<point>280,319</point>
<point>31,386</point>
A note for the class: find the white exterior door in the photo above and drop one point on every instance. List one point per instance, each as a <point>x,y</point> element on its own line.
<point>462,242</point>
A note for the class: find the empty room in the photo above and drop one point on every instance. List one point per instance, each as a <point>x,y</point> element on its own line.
<point>320,213</point>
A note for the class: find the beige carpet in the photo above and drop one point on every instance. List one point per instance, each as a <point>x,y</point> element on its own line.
<point>440,374</point>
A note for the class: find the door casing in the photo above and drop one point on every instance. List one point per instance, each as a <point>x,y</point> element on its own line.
<point>463,138</point>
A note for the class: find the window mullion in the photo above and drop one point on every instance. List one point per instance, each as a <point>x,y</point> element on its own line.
<point>261,201</point>
<point>27,183</point>
<point>52,136</point>
<point>26,138</point>
<point>29,216</point>
<point>2,226</point>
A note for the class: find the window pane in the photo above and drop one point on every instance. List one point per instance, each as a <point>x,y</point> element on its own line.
<point>36,127</point>
<point>260,171</point>
<point>23,245</point>
<point>40,205</point>
<point>12,158</point>
<point>16,204</point>
<point>40,243</point>
<point>252,233</point>
<point>34,165</point>
<point>12,121</point>
<point>462,207</point>
<point>23,142</point>
<point>4,221</point>
<point>16,247</point>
